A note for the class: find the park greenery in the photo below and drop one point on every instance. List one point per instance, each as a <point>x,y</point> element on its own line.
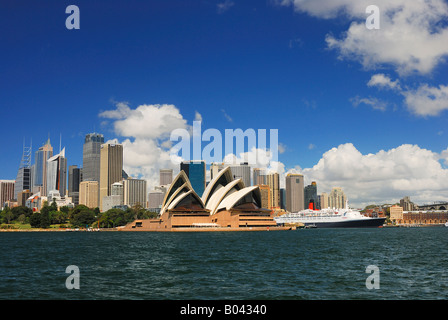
<point>50,216</point>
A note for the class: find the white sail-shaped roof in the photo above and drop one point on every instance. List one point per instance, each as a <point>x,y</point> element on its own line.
<point>223,178</point>
<point>230,201</point>
<point>180,182</point>
<point>223,192</point>
<point>182,196</point>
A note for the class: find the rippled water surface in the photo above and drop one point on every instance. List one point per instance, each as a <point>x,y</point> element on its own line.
<point>303,264</point>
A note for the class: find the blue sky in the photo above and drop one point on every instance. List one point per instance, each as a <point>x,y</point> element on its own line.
<point>262,64</point>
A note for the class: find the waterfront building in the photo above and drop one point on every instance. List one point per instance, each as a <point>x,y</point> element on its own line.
<point>6,191</point>
<point>195,171</point>
<point>134,192</point>
<point>155,200</point>
<point>310,196</point>
<point>265,192</point>
<point>226,204</point>
<point>294,192</point>
<point>273,181</point>
<point>91,156</point>
<point>337,198</point>
<point>166,176</point>
<point>407,204</point>
<point>39,176</point>
<point>241,171</point>
<point>396,214</point>
<point>111,168</point>
<point>259,176</point>
<point>57,173</point>
<point>74,179</point>
<point>437,217</point>
<point>88,193</point>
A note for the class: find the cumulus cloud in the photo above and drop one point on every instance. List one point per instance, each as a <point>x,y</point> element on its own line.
<point>427,100</point>
<point>374,103</point>
<point>224,6</point>
<point>383,177</point>
<point>412,36</point>
<point>383,81</point>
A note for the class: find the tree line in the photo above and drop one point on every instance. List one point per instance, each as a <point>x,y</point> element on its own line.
<point>79,217</point>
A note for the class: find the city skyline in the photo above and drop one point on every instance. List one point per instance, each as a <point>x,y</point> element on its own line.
<point>372,124</point>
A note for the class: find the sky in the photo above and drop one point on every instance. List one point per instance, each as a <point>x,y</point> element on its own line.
<point>359,108</point>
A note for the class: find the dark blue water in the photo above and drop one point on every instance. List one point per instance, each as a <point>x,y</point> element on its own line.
<point>302,264</point>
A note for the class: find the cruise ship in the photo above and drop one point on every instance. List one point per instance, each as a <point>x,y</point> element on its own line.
<point>330,218</point>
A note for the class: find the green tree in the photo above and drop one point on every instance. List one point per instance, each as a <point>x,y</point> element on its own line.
<point>84,218</point>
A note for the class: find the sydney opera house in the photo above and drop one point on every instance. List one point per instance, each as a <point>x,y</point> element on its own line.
<point>226,205</point>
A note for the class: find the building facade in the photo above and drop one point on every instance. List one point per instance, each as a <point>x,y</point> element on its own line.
<point>6,191</point>
<point>310,196</point>
<point>91,156</point>
<point>242,171</point>
<point>273,181</point>
<point>195,171</point>
<point>88,194</point>
<point>294,192</point>
<point>74,179</point>
<point>337,198</point>
<point>259,176</point>
<point>111,168</point>
<point>57,173</point>
<point>166,176</point>
<point>40,168</point>
<point>134,192</point>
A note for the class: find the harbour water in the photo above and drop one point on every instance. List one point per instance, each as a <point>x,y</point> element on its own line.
<point>310,264</point>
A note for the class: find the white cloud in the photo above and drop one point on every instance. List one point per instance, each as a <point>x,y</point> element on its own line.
<point>374,103</point>
<point>383,81</point>
<point>385,176</point>
<point>412,35</point>
<point>427,100</point>
<point>224,6</point>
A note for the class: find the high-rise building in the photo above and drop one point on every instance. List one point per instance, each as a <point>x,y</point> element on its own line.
<point>323,201</point>
<point>23,179</point>
<point>337,198</point>
<point>294,192</point>
<point>215,167</point>
<point>282,198</point>
<point>407,204</point>
<point>91,155</point>
<point>134,192</point>
<point>273,181</point>
<point>155,200</point>
<point>6,191</point>
<point>195,171</point>
<point>74,179</point>
<point>259,176</point>
<point>310,194</point>
<point>23,196</point>
<point>40,168</point>
<point>88,193</point>
<point>57,173</point>
<point>111,168</point>
<point>241,171</point>
<point>166,176</point>
<point>265,192</point>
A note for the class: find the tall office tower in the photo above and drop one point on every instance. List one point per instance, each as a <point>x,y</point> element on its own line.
<point>6,191</point>
<point>40,168</point>
<point>310,194</point>
<point>259,176</point>
<point>195,171</point>
<point>166,176</point>
<point>111,168</point>
<point>88,193</point>
<point>407,204</point>
<point>273,181</point>
<point>74,179</point>
<point>337,198</point>
<point>282,198</point>
<point>134,192</point>
<point>241,171</point>
<point>323,201</point>
<point>294,192</point>
<point>215,167</point>
<point>23,196</point>
<point>57,173</point>
<point>91,154</point>
<point>23,179</point>
<point>155,200</point>
<point>265,192</point>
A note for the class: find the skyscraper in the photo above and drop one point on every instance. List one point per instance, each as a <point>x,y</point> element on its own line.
<point>57,173</point>
<point>166,176</point>
<point>273,181</point>
<point>195,171</point>
<point>337,198</point>
<point>6,191</point>
<point>111,168</point>
<point>310,193</point>
<point>259,176</point>
<point>215,167</point>
<point>241,171</point>
<point>323,201</point>
<point>74,179</point>
<point>23,179</point>
<point>40,168</point>
<point>134,192</point>
<point>91,154</point>
<point>294,192</point>
<point>88,193</point>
